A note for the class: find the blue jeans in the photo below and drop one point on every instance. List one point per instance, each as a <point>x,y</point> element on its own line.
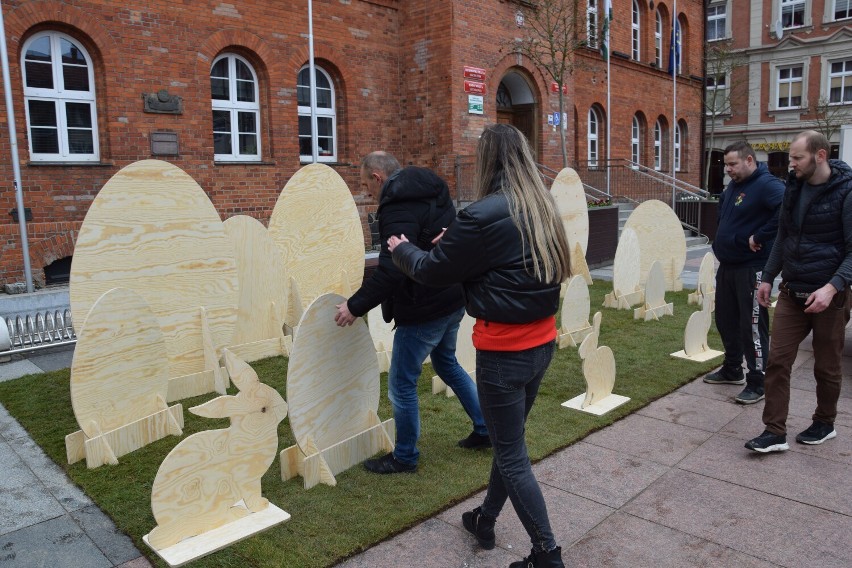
<point>508,383</point>
<point>411,345</point>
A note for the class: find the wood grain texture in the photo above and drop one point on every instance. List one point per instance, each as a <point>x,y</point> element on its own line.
<point>213,477</point>
<point>575,313</point>
<point>120,372</point>
<point>263,283</point>
<point>153,230</point>
<point>315,224</point>
<point>332,377</point>
<point>661,238</point>
<point>625,273</point>
<point>382,333</point>
<point>567,191</point>
<point>655,305</point>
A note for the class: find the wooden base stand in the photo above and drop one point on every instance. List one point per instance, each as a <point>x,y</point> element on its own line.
<point>599,408</point>
<point>647,313</point>
<point>700,356</point>
<point>573,338</point>
<point>320,466</point>
<point>195,547</point>
<point>625,301</point>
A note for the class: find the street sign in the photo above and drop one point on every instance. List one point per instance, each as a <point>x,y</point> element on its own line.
<point>474,87</point>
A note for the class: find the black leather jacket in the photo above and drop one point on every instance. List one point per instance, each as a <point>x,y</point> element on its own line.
<point>483,250</point>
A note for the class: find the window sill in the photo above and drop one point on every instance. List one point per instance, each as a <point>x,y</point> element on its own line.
<point>244,163</point>
<point>101,164</point>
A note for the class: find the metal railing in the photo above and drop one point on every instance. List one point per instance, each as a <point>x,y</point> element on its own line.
<point>31,332</point>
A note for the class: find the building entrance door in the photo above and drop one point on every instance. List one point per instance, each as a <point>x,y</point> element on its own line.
<point>516,106</point>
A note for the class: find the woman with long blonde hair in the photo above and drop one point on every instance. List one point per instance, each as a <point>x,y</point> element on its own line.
<point>510,252</point>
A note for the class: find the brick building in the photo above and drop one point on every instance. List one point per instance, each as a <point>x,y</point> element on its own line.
<point>98,84</point>
<point>794,72</point>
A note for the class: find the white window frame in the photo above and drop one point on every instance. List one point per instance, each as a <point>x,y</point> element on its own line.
<point>592,23</point>
<point>777,10</point>
<point>325,113</point>
<point>777,82</point>
<point>677,147</point>
<point>658,145</point>
<point>235,107</point>
<point>635,141</point>
<point>593,138</point>
<point>716,86</point>
<point>716,17</point>
<point>658,39</point>
<point>60,97</point>
<point>831,16</point>
<point>845,78</point>
<point>636,33</point>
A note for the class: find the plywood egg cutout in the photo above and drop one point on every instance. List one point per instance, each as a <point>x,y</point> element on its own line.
<point>119,381</point>
<point>333,393</point>
<point>262,291</point>
<point>153,230</point>
<point>661,238</point>
<point>567,191</point>
<point>574,317</point>
<point>625,273</point>
<point>465,354</point>
<point>706,285</point>
<point>382,333</point>
<point>316,225</point>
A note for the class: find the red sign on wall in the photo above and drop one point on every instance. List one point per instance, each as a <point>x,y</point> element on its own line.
<point>474,73</point>
<point>474,87</point>
<point>554,88</point>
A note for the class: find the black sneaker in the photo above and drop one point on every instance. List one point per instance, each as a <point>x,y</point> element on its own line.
<point>388,464</point>
<point>475,441</point>
<point>723,377</point>
<point>480,526</point>
<point>749,396</point>
<point>817,433</point>
<point>768,442</point>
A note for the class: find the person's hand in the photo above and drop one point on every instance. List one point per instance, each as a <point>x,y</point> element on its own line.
<point>820,299</point>
<point>394,241</point>
<point>343,317</point>
<point>754,246</point>
<point>437,239</point>
<point>763,294</point>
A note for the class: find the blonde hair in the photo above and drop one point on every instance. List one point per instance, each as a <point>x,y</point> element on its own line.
<point>504,162</point>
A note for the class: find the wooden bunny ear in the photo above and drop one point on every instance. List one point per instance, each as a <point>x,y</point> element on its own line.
<point>241,372</point>
<point>596,323</point>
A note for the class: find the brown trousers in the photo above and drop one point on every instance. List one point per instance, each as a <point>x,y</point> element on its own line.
<point>790,326</point>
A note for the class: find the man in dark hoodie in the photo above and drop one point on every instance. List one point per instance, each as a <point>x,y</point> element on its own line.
<point>813,253</point>
<point>413,201</point>
<point>748,221</point>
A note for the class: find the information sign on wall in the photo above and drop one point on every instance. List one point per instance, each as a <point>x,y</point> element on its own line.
<point>474,73</point>
<point>474,87</point>
<point>475,104</point>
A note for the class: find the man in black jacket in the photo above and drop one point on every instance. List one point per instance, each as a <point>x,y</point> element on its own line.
<point>813,253</point>
<point>748,221</point>
<point>413,201</point>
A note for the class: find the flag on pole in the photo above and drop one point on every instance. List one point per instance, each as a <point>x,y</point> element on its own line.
<point>605,29</point>
<point>674,50</point>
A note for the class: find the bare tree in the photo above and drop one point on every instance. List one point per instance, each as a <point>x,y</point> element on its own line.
<point>828,118</point>
<point>722,87</point>
<point>553,30</point>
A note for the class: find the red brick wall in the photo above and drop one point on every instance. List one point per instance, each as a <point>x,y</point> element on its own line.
<point>397,68</point>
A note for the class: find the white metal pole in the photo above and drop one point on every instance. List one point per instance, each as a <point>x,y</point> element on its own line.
<point>313,73</point>
<point>677,55</point>
<point>608,104</point>
<point>13,146</point>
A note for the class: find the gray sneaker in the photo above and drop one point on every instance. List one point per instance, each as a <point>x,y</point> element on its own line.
<point>723,377</point>
<point>749,396</point>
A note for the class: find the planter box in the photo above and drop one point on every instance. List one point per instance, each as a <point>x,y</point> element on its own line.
<point>603,236</point>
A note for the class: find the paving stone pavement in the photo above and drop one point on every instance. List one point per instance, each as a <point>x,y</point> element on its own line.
<point>668,486</point>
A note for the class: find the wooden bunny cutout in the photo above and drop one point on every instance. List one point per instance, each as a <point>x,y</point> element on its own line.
<point>212,478</point>
<point>599,372</point>
<point>695,346</point>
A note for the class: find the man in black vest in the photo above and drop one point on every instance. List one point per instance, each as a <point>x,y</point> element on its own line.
<point>413,201</point>
<point>813,253</point>
<point>748,221</point>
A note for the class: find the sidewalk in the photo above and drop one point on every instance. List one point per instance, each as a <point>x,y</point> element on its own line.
<point>670,485</point>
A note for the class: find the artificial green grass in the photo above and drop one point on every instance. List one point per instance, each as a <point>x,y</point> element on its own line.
<point>329,524</point>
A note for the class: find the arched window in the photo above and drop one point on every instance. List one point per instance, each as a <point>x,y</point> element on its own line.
<point>680,41</point>
<point>635,141</point>
<point>326,138</point>
<point>59,99</point>
<point>658,145</point>
<point>677,147</point>
<point>592,23</point>
<point>635,30</point>
<point>592,138</point>
<point>236,110</point>
<point>658,39</point>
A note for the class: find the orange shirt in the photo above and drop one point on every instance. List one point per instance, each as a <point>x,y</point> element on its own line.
<point>495,336</point>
